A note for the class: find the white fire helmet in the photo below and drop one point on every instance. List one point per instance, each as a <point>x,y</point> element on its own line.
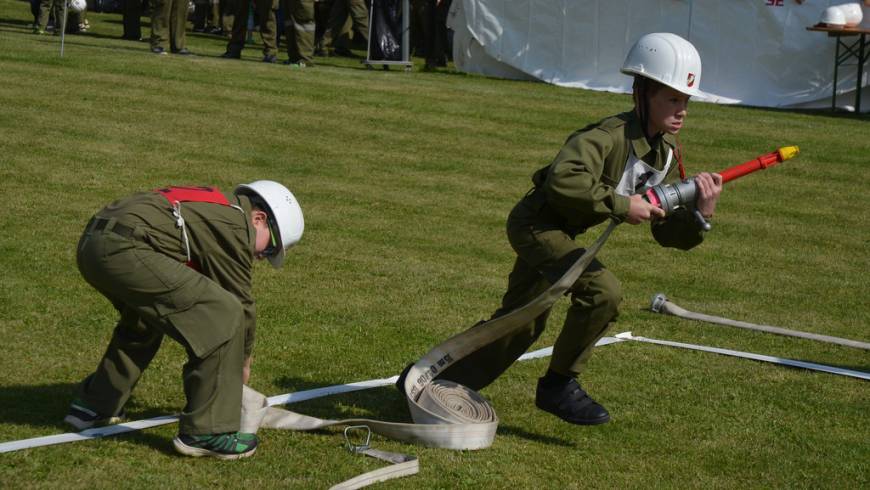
<point>77,6</point>
<point>668,59</point>
<point>285,214</point>
<point>853,13</point>
<point>834,17</point>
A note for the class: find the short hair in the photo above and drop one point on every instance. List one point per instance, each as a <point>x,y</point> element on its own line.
<point>258,204</point>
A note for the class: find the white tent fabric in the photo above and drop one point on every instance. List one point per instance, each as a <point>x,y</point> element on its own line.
<point>754,52</point>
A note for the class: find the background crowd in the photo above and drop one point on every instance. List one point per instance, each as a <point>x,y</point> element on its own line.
<point>306,28</point>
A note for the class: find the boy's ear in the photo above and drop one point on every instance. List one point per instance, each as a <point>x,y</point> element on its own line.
<point>258,216</point>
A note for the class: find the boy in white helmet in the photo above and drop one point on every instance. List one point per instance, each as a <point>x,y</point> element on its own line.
<point>600,173</point>
<point>177,261</point>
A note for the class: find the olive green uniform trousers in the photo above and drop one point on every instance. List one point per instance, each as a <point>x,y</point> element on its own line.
<point>46,8</point>
<point>543,256</point>
<point>336,35</point>
<point>299,29</point>
<point>169,24</point>
<point>159,296</point>
<point>266,13</point>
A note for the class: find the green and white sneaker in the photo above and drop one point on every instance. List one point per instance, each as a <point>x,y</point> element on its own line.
<point>84,417</point>
<point>230,445</point>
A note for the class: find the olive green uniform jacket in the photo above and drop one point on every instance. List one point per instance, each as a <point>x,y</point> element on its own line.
<point>134,253</point>
<point>575,192</point>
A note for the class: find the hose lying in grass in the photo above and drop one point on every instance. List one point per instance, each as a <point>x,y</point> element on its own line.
<point>660,304</point>
<point>749,355</point>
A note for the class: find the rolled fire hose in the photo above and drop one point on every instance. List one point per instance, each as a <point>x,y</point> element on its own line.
<point>661,304</point>
<point>445,414</point>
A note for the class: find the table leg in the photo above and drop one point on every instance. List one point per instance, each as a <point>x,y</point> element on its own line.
<point>862,56</point>
<point>836,67</point>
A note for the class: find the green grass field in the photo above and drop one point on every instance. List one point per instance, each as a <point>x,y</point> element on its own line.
<point>406,180</point>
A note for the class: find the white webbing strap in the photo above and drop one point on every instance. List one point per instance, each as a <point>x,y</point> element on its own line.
<point>748,355</point>
<point>401,465</point>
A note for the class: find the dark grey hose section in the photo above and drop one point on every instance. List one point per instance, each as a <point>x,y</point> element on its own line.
<point>660,304</point>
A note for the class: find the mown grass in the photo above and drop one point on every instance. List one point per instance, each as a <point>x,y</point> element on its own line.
<point>406,179</point>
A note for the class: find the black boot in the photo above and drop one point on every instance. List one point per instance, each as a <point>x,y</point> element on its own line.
<point>563,397</point>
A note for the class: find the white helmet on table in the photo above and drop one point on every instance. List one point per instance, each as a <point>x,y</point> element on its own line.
<point>285,214</point>
<point>853,14</point>
<point>77,6</point>
<point>833,17</point>
<point>668,59</point>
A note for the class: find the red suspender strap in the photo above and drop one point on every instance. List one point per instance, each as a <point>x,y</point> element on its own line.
<point>679,153</point>
<point>193,194</point>
<point>178,195</point>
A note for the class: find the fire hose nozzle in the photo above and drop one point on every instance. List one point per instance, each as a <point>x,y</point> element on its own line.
<point>669,197</point>
<point>788,152</point>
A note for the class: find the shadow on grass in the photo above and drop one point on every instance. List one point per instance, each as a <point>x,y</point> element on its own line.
<point>511,430</point>
<point>26,24</point>
<point>36,405</point>
<point>384,403</point>
<point>46,405</point>
<point>860,369</point>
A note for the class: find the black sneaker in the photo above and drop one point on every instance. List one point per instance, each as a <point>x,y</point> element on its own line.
<point>270,58</point>
<point>230,445</point>
<point>83,417</point>
<point>569,402</point>
<point>158,50</point>
<point>182,52</point>
<point>232,55</point>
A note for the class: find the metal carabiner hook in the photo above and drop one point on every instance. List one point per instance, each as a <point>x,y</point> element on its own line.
<point>352,446</point>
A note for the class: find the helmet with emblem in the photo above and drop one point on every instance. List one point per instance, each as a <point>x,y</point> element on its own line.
<point>668,59</point>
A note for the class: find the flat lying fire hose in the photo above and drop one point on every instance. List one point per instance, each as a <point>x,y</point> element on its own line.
<point>661,304</point>
<point>755,357</point>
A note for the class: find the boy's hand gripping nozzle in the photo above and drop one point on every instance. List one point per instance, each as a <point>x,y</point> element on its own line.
<point>669,197</point>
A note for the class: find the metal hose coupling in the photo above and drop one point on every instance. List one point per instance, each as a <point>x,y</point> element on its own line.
<point>658,301</point>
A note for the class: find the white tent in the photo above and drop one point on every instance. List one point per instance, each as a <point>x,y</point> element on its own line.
<point>754,52</point>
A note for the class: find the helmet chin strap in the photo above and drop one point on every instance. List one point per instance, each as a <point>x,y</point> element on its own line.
<point>641,102</point>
